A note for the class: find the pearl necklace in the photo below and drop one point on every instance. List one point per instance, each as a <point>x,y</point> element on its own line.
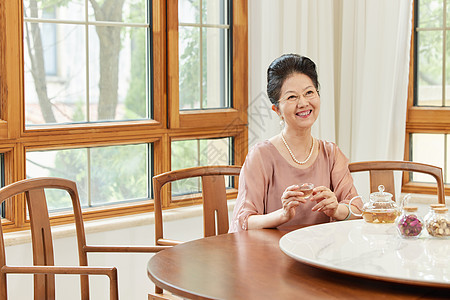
<point>292,154</point>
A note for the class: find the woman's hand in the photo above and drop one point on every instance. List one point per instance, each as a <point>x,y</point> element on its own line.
<point>326,201</point>
<point>290,199</point>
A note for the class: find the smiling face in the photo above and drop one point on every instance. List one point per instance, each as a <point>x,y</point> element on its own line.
<point>299,102</point>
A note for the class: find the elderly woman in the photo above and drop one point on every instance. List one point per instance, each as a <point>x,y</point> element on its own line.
<point>269,184</point>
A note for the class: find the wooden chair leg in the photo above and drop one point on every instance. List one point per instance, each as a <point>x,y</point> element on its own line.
<point>162,295</point>
<point>158,290</point>
<point>155,297</point>
<point>165,296</point>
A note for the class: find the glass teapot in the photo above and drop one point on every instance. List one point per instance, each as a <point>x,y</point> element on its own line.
<point>380,209</point>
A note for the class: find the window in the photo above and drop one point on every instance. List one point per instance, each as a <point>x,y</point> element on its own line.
<point>107,174</point>
<point>428,119</point>
<point>103,61</point>
<point>203,39</point>
<point>199,152</point>
<point>109,95</point>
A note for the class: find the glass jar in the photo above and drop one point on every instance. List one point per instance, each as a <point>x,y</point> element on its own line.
<point>431,210</point>
<point>438,225</point>
<point>409,224</point>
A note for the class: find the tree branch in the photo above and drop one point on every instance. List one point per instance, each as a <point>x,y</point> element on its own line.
<point>97,10</point>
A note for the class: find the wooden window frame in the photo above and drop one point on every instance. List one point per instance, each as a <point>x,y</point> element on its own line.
<point>167,124</point>
<point>421,120</point>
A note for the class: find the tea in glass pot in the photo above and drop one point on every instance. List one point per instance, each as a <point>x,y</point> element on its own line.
<point>380,208</point>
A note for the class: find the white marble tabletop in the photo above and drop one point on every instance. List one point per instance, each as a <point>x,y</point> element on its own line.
<point>371,250</point>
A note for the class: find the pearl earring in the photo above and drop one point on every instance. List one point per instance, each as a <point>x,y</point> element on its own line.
<point>282,123</point>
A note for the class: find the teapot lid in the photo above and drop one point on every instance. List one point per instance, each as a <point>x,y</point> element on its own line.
<point>381,195</point>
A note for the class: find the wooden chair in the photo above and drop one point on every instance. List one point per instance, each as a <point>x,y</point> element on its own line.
<point>213,194</point>
<point>214,201</point>
<point>43,255</point>
<point>382,172</point>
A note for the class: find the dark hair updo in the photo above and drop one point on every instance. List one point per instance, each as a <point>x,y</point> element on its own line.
<point>283,67</point>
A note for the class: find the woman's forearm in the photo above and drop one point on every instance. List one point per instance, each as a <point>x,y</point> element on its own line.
<point>343,213</point>
<point>270,220</point>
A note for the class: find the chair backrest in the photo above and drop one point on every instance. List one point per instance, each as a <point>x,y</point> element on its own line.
<point>213,194</point>
<point>41,235</point>
<point>382,172</point>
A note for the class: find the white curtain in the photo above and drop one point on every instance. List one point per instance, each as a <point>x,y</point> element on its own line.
<point>291,26</point>
<point>361,48</point>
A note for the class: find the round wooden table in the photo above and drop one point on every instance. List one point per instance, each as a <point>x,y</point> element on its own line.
<point>250,265</point>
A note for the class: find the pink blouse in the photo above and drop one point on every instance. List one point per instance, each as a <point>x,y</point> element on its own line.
<point>266,174</point>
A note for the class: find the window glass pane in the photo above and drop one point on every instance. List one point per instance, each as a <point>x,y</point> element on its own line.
<point>69,164</point>
<point>67,10</point>
<point>135,86</point>
<point>214,12</point>
<point>215,68</point>
<point>59,97</point>
<point>203,50</point>
<point>430,13</point>
<point>188,11</point>
<point>427,149</point>
<point>448,13</point>
<point>189,67</point>
<point>127,11</point>
<point>48,43</point>
<point>117,75</point>
<point>429,69</point>
<point>103,175</point>
<point>198,152</point>
<point>119,173</point>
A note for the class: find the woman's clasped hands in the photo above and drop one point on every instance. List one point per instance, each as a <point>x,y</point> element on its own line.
<point>295,195</point>
<point>326,201</point>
